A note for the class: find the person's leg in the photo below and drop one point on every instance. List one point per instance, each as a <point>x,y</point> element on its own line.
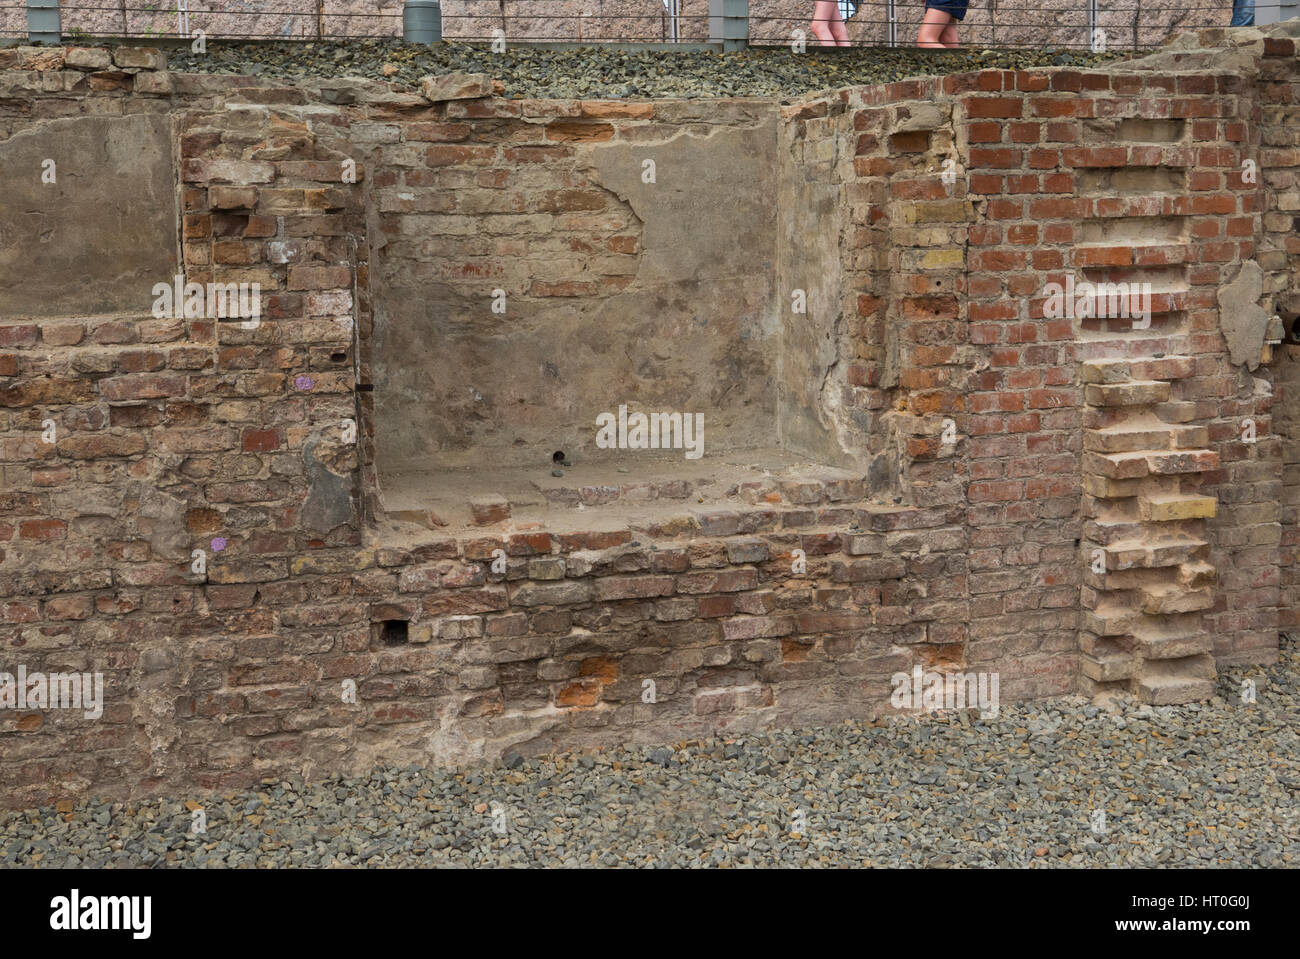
<point>827,26</point>
<point>840,31</point>
<point>933,27</point>
<point>1243,13</point>
<point>957,10</point>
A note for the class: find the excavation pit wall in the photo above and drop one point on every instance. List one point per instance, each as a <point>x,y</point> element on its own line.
<point>344,609</point>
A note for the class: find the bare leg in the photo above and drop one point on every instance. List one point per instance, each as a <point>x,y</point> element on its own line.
<point>949,36</point>
<point>840,30</point>
<point>934,27</point>
<point>827,26</point>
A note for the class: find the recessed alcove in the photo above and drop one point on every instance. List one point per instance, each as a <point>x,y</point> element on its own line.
<point>579,292</point>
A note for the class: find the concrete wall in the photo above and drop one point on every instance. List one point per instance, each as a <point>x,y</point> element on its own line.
<point>105,217</point>
<point>1055,23</point>
<point>182,434</point>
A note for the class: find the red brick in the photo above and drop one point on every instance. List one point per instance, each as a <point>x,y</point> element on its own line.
<point>996,107</point>
<point>1059,209</point>
<point>1074,107</point>
<point>996,157</point>
<point>319,277</point>
<point>577,131</point>
<point>1103,256</point>
<point>1031,82</point>
<point>21,336</point>
<point>984,132</point>
<point>459,155</point>
<point>43,530</point>
<point>1002,491</point>
<point>261,441</point>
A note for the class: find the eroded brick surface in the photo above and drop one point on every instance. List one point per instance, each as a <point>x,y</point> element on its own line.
<point>994,448</point>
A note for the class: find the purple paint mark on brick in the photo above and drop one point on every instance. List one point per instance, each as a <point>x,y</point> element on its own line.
<point>304,383</point>
<point>218,544</point>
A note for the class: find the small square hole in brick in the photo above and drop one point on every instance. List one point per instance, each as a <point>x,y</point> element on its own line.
<point>390,632</point>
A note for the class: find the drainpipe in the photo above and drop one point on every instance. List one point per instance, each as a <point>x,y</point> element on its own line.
<point>729,22</point>
<point>422,21</point>
<point>43,24</point>
<point>1275,11</point>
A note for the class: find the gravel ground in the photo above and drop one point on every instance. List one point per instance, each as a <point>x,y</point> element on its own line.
<point>602,73</point>
<point>1201,785</point>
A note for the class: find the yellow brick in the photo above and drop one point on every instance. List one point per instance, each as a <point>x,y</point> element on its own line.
<point>943,260</point>
<point>1171,509</point>
<point>1104,488</point>
<point>938,211</point>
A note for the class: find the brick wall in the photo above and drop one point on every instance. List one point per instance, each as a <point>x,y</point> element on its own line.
<point>177,435</point>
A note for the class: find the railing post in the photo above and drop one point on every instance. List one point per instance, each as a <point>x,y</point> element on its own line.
<point>43,24</point>
<point>729,22</point>
<point>422,21</point>
<point>893,23</point>
<point>674,20</point>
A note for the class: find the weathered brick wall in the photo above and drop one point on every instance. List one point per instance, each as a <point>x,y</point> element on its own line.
<point>1279,252</point>
<point>176,435</point>
<point>548,202</point>
<point>1286,422</point>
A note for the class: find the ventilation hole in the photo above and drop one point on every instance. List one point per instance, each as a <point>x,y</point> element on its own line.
<point>338,357</point>
<point>392,632</point>
<point>557,456</point>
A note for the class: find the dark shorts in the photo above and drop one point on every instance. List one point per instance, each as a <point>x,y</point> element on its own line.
<point>954,8</point>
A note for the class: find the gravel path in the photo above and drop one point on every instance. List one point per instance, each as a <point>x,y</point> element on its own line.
<point>601,73</point>
<point>1203,785</point>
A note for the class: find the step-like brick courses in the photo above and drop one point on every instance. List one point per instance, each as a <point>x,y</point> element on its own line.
<point>1147,580</point>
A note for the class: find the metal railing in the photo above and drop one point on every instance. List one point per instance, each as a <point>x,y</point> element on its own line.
<point>728,24</point>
